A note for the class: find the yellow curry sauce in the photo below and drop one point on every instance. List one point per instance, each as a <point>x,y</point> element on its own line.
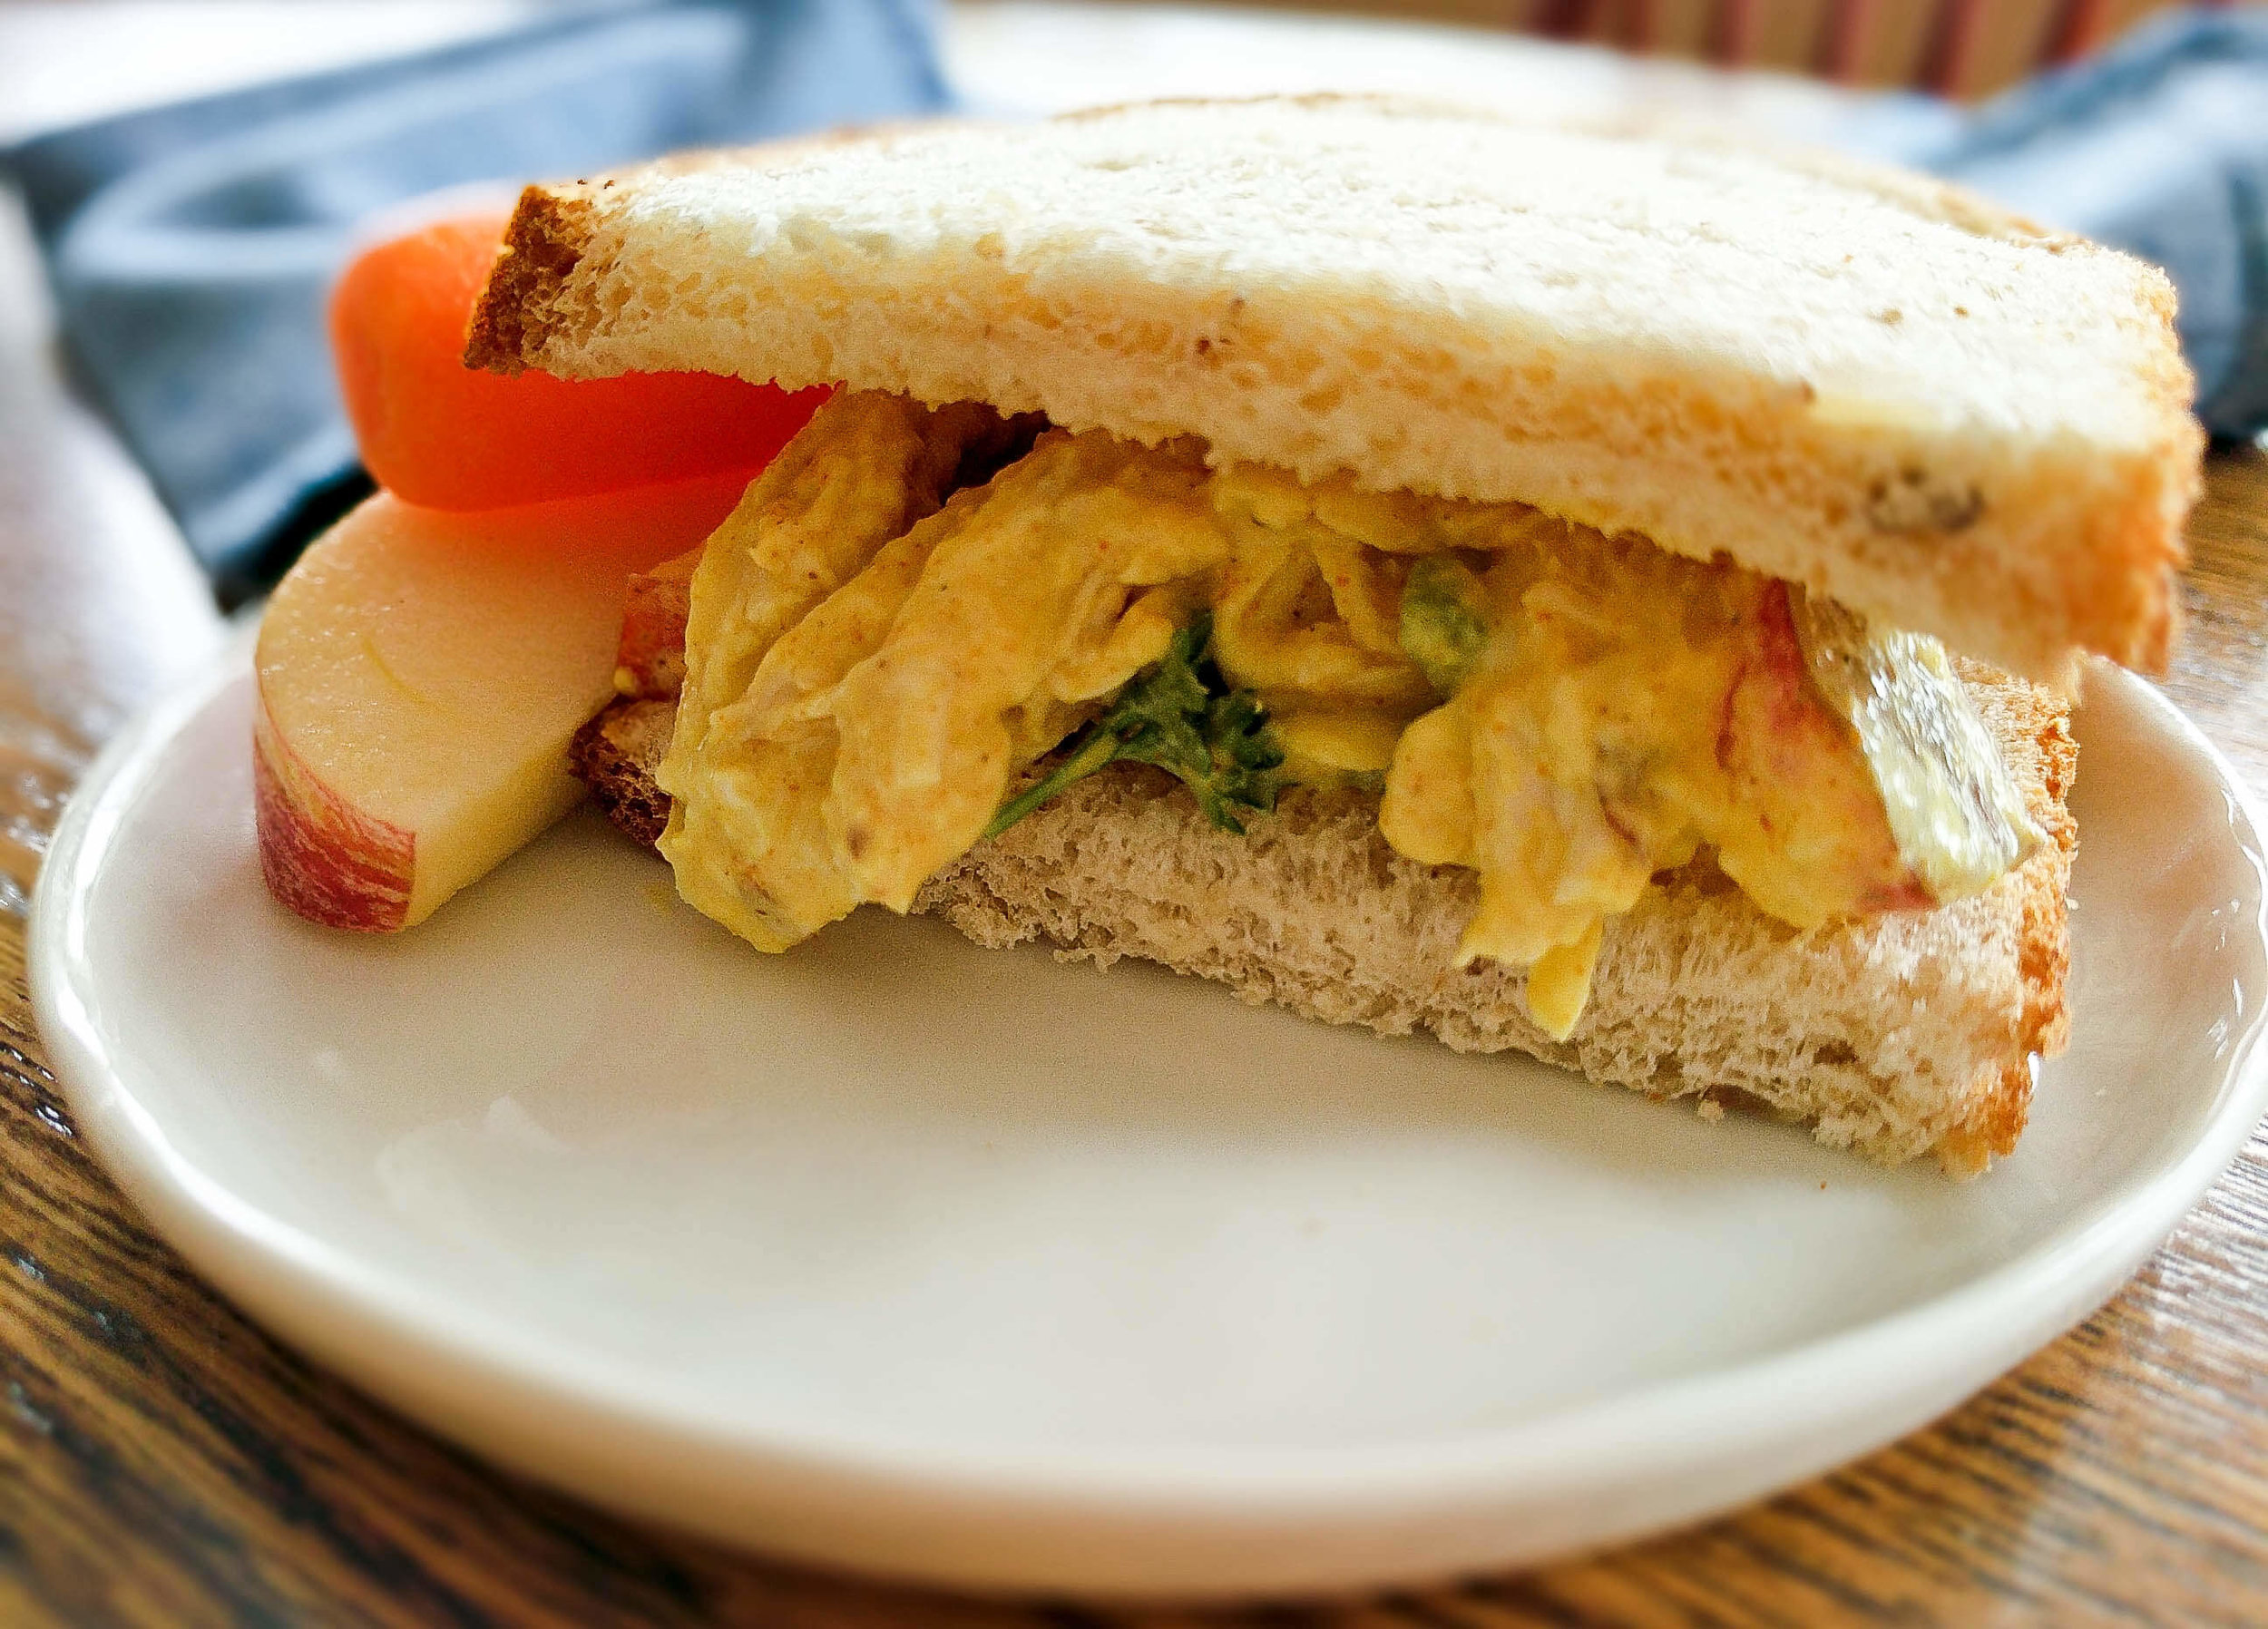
<point>871,665</point>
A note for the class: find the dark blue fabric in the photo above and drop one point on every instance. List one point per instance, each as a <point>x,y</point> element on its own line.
<point>2159,146</point>
<point>191,246</point>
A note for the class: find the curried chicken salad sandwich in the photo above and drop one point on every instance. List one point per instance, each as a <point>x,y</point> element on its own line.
<point>1606,596</point>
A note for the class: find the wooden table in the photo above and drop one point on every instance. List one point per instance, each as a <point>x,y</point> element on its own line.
<point>163,1462</point>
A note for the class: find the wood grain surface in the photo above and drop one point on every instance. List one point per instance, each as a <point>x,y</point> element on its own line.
<point>162,1462</point>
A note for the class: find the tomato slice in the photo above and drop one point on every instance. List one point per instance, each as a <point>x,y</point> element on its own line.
<point>435,433</point>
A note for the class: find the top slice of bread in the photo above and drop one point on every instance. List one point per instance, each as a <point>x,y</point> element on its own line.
<point>1879,386</point>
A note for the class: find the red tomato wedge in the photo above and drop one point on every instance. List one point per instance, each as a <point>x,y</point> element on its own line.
<point>438,433</point>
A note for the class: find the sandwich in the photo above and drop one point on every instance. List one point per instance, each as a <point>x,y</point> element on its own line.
<point>1602,595</point>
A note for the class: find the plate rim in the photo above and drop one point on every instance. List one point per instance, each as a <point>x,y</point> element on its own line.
<point>308,1291</point>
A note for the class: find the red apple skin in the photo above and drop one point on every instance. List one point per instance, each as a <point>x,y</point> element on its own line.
<point>420,676</point>
<point>323,858</point>
<point>1805,774</point>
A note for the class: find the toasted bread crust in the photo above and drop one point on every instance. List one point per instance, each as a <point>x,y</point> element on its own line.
<point>616,753</point>
<point>2034,732</point>
<point>551,232</point>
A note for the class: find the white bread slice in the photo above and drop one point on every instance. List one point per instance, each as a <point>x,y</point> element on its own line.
<point>1876,385</point>
<point>1897,1036</point>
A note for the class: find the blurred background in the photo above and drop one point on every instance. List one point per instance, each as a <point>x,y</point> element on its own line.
<point>181,181</point>
<point>64,60</point>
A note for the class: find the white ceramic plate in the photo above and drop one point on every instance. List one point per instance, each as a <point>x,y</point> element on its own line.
<point>970,1266</point>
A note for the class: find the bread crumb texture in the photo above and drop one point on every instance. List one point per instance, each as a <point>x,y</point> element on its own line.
<point>1895,1036</point>
<point>1875,386</point>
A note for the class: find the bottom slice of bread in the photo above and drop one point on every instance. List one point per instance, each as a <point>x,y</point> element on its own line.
<point>1895,1036</point>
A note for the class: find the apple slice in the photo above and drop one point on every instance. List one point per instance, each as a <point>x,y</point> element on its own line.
<point>421,673</point>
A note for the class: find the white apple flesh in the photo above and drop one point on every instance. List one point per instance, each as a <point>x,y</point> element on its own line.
<point>420,674</point>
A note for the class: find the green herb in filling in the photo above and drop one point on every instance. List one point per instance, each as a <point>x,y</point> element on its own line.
<point>1179,715</point>
<point>1444,620</point>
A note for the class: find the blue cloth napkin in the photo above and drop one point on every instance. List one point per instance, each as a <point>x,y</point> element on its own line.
<point>192,247</point>
<point>2159,145</point>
